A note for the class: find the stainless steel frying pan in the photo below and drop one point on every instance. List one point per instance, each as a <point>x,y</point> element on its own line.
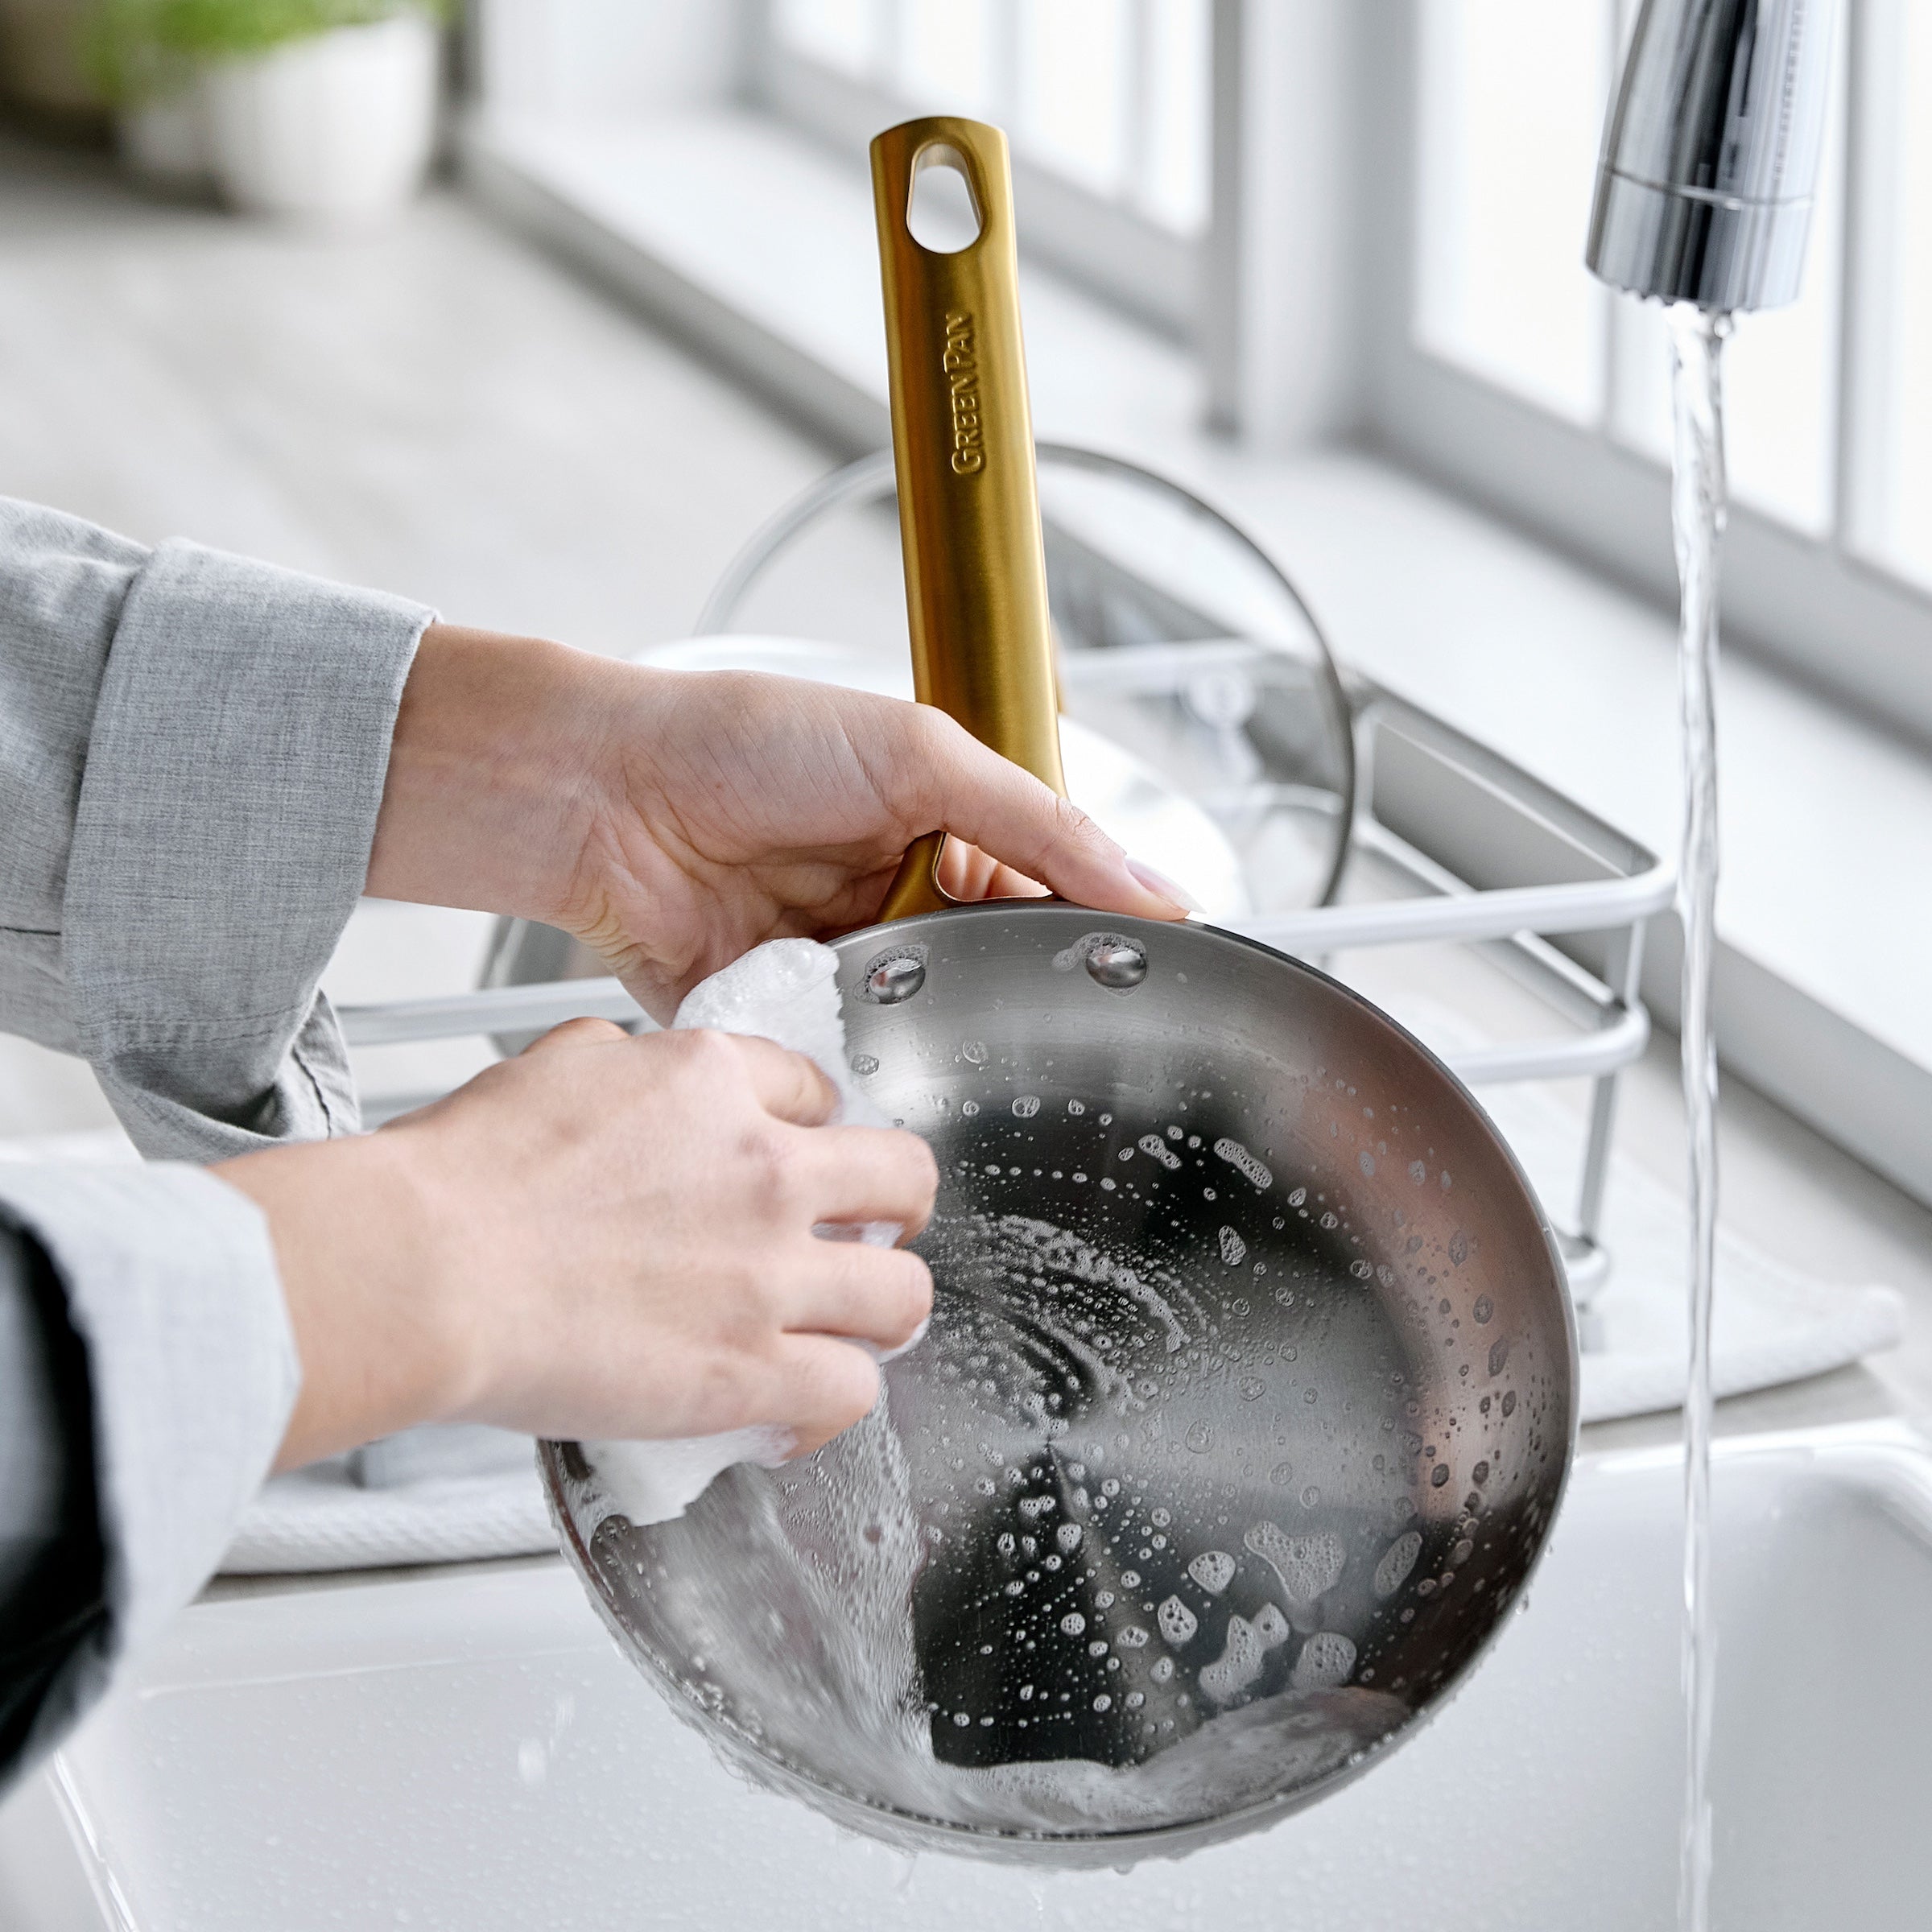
<point>1250,1391</point>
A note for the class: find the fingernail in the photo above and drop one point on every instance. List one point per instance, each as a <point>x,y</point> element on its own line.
<point>1161,886</point>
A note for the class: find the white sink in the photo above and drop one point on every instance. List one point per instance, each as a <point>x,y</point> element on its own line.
<point>467,1751</point>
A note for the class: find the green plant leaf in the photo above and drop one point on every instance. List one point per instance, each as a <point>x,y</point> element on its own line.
<point>142,47</point>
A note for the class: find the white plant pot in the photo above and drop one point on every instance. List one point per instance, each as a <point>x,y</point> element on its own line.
<point>164,141</point>
<point>337,129</point>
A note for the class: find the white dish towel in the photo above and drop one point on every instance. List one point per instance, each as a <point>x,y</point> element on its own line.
<point>1771,1324</point>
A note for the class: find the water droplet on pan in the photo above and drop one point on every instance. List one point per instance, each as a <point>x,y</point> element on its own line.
<point>1115,963</point>
<point>895,976</point>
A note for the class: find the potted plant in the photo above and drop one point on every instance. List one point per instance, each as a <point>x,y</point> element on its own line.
<point>43,75</point>
<point>323,110</point>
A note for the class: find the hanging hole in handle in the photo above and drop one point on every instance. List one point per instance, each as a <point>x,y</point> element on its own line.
<point>942,212</point>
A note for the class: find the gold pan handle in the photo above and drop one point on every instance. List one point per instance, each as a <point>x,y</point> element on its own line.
<point>962,438</point>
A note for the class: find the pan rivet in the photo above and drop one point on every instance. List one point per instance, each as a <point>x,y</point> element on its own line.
<point>1115,963</point>
<point>896,979</point>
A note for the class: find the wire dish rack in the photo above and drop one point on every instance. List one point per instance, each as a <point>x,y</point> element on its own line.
<point>1446,844</point>
<point>1544,868</point>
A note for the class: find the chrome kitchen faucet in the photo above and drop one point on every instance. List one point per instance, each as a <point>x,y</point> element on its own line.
<point>1711,156</point>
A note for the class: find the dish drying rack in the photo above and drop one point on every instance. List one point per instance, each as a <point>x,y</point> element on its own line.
<point>1528,867</point>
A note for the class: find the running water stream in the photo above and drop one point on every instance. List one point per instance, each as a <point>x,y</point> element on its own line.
<point>1697,506</point>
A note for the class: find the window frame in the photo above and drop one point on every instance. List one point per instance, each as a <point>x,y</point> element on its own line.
<point>1826,607</point>
<point>1152,272</point>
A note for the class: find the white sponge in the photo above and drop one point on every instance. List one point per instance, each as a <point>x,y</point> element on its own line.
<point>785,990</point>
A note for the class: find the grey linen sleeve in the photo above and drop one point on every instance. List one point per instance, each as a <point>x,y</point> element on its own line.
<point>146,1375</point>
<point>192,749</point>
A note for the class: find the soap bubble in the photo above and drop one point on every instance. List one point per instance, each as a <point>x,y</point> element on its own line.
<point>1213,1570</point>
<point>1327,1663</point>
<point>1177,1622</point>
<point>1308,1567</point>
<point>1245,1163</point>
<point>1398,1560</point>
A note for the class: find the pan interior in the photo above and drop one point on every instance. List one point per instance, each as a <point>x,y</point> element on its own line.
<point>1243,1410</point>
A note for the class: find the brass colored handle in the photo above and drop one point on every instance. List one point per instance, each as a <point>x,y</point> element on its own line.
<point>962,438</point>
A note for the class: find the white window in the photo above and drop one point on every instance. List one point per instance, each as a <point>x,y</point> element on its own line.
<point>1891,477</point>
<point>1387,244</point>
<point>1106,103</point>
<point>1518,373</point>
<point>1512,98</point>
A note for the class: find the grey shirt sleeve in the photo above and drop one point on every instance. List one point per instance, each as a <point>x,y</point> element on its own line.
<point>147,1374</point>
<point>192,748</point>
